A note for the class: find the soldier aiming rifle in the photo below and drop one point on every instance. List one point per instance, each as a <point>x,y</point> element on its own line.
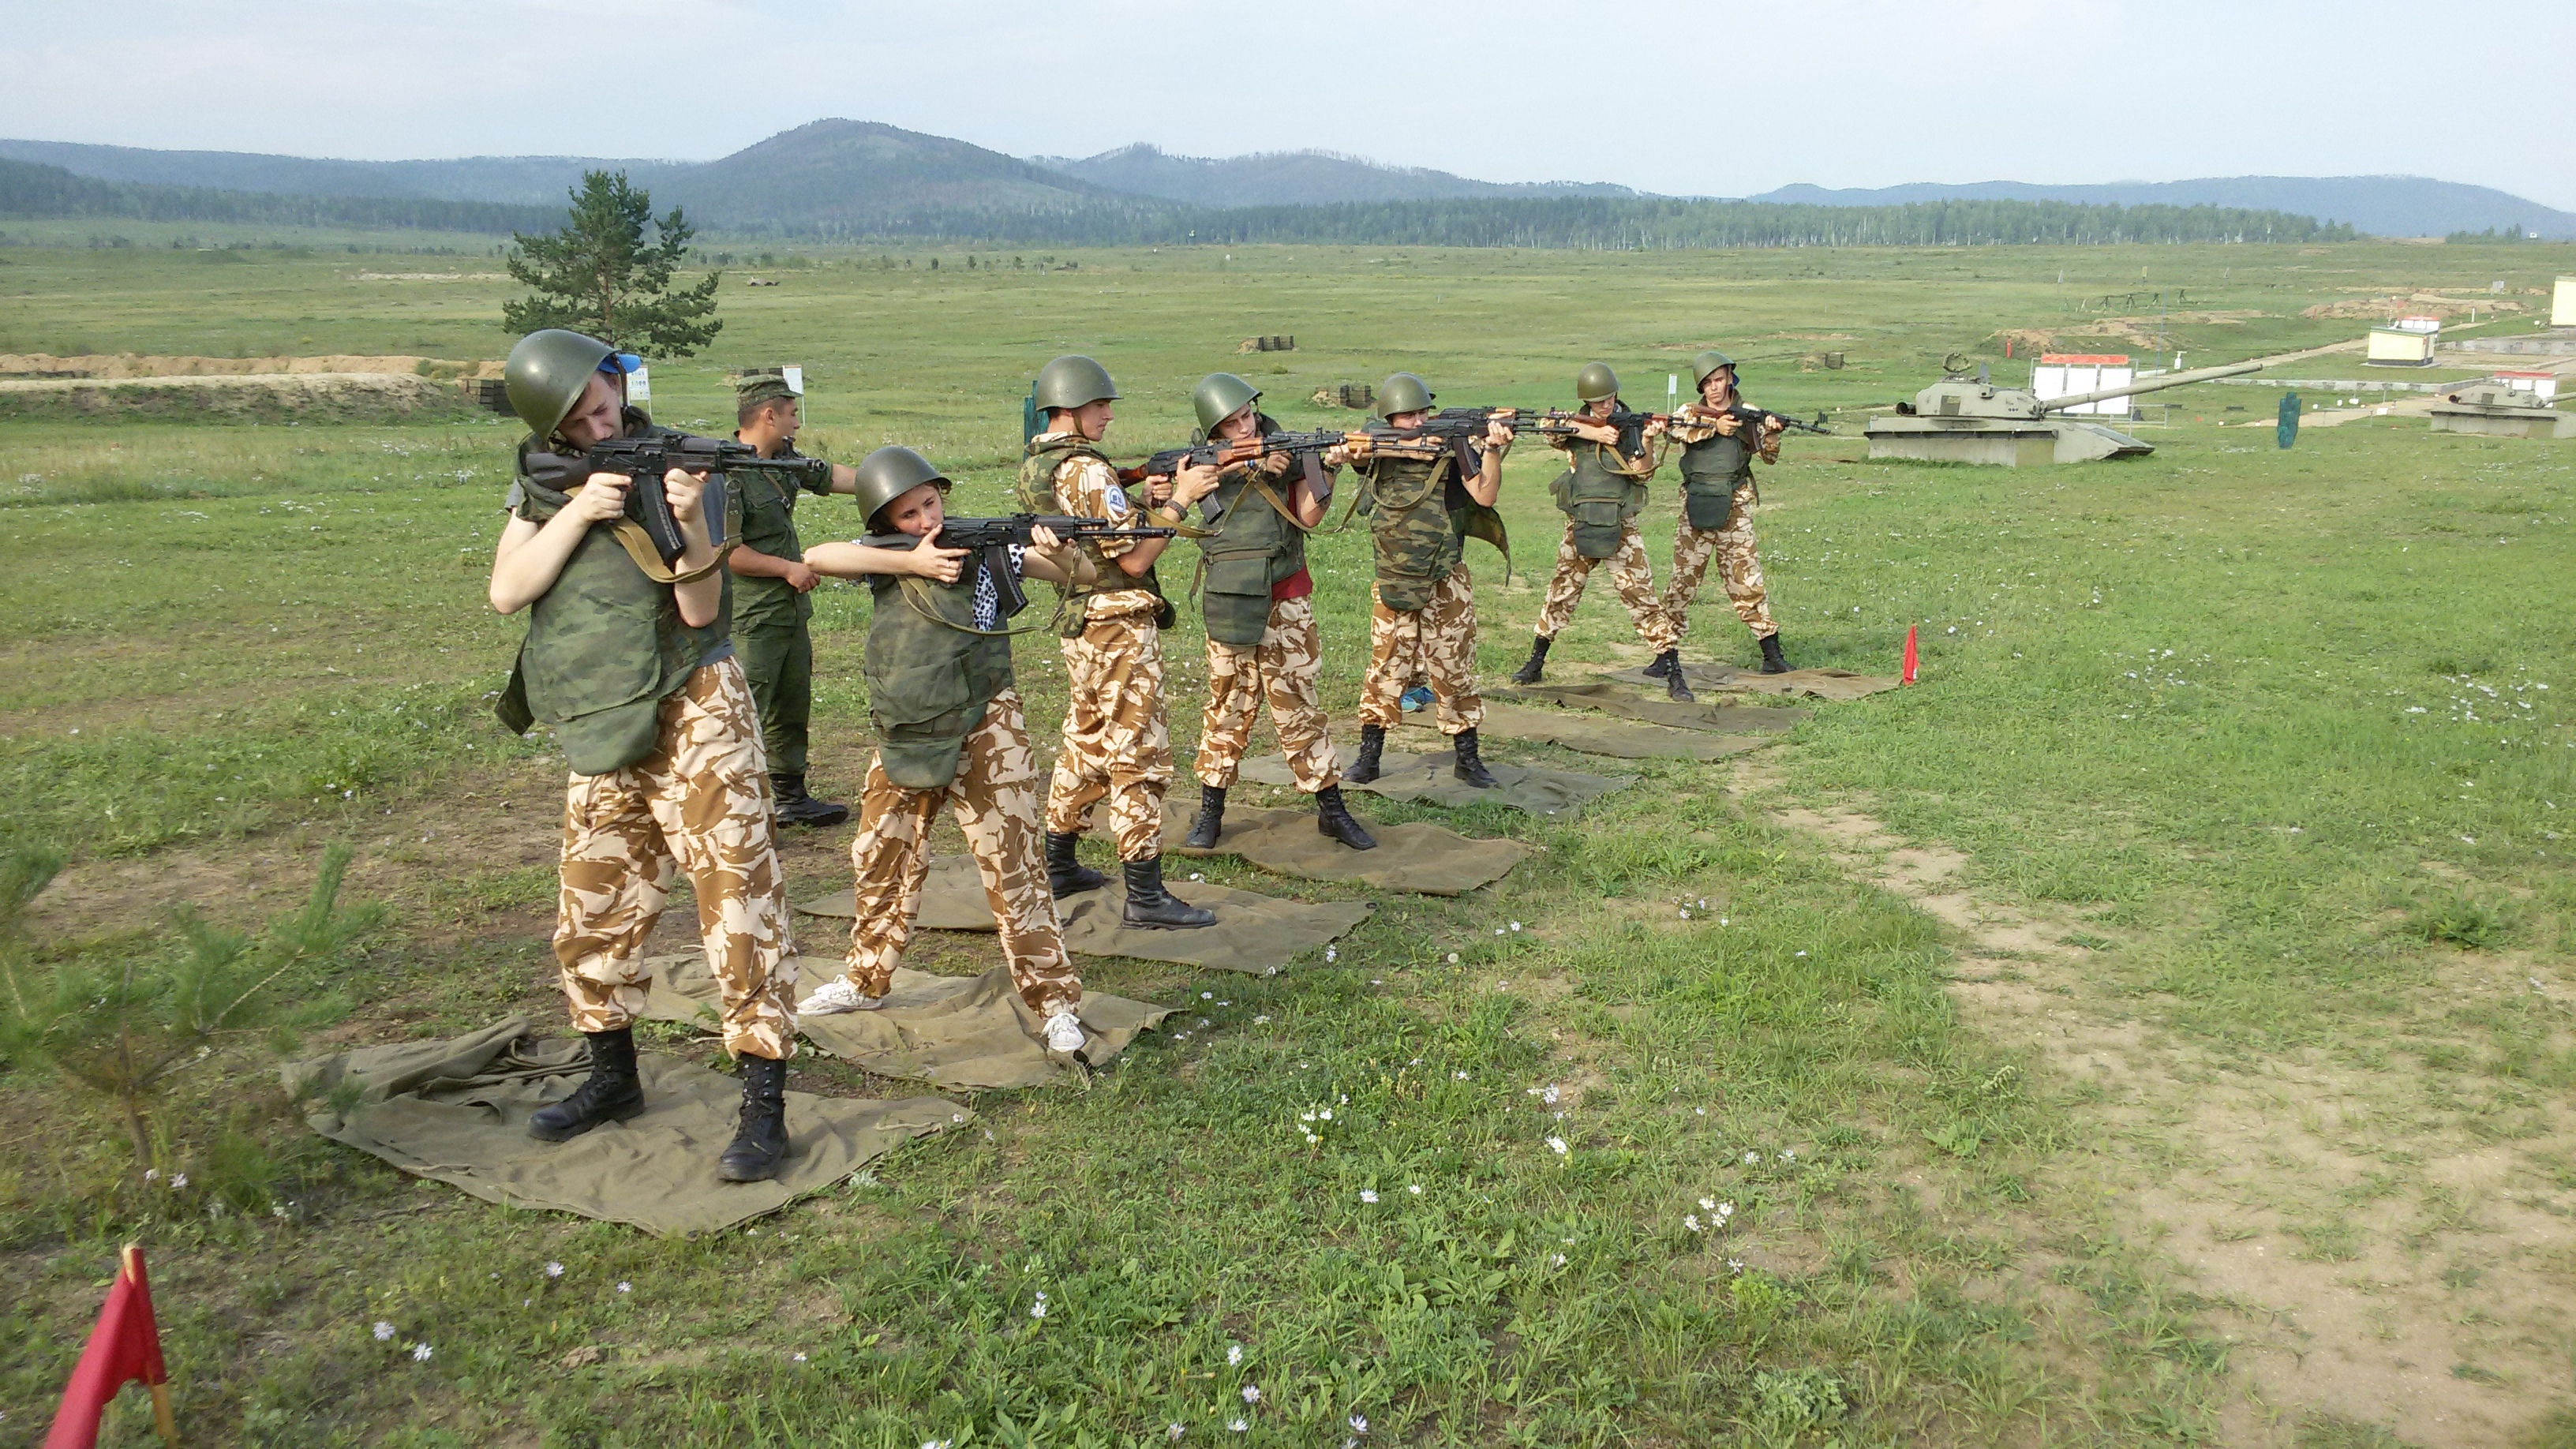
<point>629,657</point>
<point>1720,438</point>
<point>947,712</point>
<point>1272,488</point>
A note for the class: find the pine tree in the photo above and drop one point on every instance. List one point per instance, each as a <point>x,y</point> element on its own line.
<point>599,275</point>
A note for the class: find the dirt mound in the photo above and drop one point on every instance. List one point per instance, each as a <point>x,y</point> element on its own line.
<point>125,365</point>
<point>2385,305</point>
<point>239,398</point>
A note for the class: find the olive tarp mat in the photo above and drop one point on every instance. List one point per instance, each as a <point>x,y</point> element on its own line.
<point>1831,685</point>
<point>1590,734</point>
<point>1420,857</point>
<point>967,1032</point>
<point>1253,933</point>
<point>456,1112</point>
<point>1534,788</point>
<point>1717,719</point>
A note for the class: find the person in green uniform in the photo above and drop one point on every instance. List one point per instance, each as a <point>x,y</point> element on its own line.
<point>771,580</point>
<point>629,659</point>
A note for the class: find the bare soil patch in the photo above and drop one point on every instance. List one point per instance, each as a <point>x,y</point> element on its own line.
<point>2365,1266</point>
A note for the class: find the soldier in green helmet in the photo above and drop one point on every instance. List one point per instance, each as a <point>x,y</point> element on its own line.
<point>1422,619</point>
<point>952,731</point>
<point>1261,636</point>
<point>1601,493</point>
<point>1718,495</point>
<point>771,581</point>
<point>633,667</point>
<point>1117,728</point>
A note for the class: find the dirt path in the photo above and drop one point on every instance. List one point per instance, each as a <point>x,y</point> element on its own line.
<point>2363,1269</point>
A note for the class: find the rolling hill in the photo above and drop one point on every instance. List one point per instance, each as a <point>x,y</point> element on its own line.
<point>1289,178</point>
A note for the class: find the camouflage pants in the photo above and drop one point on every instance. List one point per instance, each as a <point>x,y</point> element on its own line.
<point>1436,641</point>
<point>1738,567</point>
<point>995,798</point>
<point>1285,667</point>
<point>701,802</point>
<point>1117,737</point>
<point>1628,570</point>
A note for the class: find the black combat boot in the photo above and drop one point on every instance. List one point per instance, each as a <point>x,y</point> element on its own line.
<point>1152,907</point>
<point>1334,820</point>
<point>1372,745</point>
<point>612,1094</point>
<point>1536,665</point>
<point>1066,875</point>
<point>795,807</point>
<point>759,1147</point>
<point>1773,661</point>
<point>1210,822</point>
<point>1471,765</point>
<point>1668,668</point>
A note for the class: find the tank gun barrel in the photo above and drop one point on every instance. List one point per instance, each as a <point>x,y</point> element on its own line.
<point>2151,384</point>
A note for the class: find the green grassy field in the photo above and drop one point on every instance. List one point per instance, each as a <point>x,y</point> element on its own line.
<point>2210,1086</point>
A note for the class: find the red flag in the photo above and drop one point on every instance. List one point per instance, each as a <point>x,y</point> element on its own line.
<point>125,1346</point>
<point>1908,676</point>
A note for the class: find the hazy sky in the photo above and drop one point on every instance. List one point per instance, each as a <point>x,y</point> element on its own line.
<point>1713,98</point>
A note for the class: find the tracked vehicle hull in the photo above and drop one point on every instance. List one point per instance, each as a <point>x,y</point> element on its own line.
<point>1998,444</point>
<point>2505,422</point>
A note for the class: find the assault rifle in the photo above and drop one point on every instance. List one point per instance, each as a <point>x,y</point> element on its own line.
<point>1756,418</point>
<point>991,539</point>
<point>1306,449</point>
<point>646,459</point>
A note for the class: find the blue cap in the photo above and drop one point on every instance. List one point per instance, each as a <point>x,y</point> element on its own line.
<point>621,362</point>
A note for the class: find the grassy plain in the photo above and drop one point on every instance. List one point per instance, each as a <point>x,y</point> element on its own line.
<point>2209,1083</point>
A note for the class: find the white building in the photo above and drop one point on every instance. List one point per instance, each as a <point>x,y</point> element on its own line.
<point>2562,306</point>
<point>2070,374</point>
<point>2402,346</point>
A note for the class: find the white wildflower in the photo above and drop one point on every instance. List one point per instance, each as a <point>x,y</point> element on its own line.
<point>1453,958</point>
<point>384,1331</point>
<point>420,1353</point>
<point>554,1270</point>
<point>1461,1076</point>
<point>1548,1096</point>
<point>1359,1423</point>
<point>180,1179</point>
<point>1708,1204</point>
<point>1557,1146</point>
<point>1556,1260</point>
<point>151,1174</point>
<point>1516,925</point>
<point>1174,1433</point>
<point>1251,1394</point>
<point>800,1358</point>
<point>1691,1221</point>
<point>1735,1265</point>
<point>1233,1355</point>
<point>1416,1188</point>
<point>1368,1194</point>
<point>1751,1158</point>
<point>1238,1426</point>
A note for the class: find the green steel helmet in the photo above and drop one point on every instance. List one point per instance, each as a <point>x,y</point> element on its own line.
<point>1402,393</point>
<point>1069,382</point>
<point>1595,382</point>
<point>889,473</point>
<point>546,373</point>
<point>1706,363</point>
<point>1220,395</point>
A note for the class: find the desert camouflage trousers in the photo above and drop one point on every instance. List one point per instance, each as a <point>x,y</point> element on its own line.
<point>1286,667</point>
<point>1117,735</point>
<point>1437,643</point>
<point>1738,567</point>
<point>995,798</point>
<point>700,803</point>
<point>1628,570</point>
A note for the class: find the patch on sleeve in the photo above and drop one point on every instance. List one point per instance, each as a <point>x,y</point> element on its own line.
<point>1114,498</point>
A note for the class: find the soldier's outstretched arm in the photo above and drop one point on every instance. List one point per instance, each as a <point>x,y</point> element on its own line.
<point>926,559</point>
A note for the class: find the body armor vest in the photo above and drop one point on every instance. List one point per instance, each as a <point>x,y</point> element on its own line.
<point>1711,470</point>
<point>1046,457</point>
<point>930,674</point>
<point>1254,548</point>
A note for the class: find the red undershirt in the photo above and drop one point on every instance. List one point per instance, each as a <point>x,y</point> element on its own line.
<point>1296,586</point>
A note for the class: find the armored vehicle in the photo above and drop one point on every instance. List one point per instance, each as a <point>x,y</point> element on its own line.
<point>1964,419</point>
<point>2496,407</point>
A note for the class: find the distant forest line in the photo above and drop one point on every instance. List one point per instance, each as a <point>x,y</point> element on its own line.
<point>31,191</point>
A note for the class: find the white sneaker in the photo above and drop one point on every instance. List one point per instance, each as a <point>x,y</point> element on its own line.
<point>836,996</point>
<point>1064,1033</point>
